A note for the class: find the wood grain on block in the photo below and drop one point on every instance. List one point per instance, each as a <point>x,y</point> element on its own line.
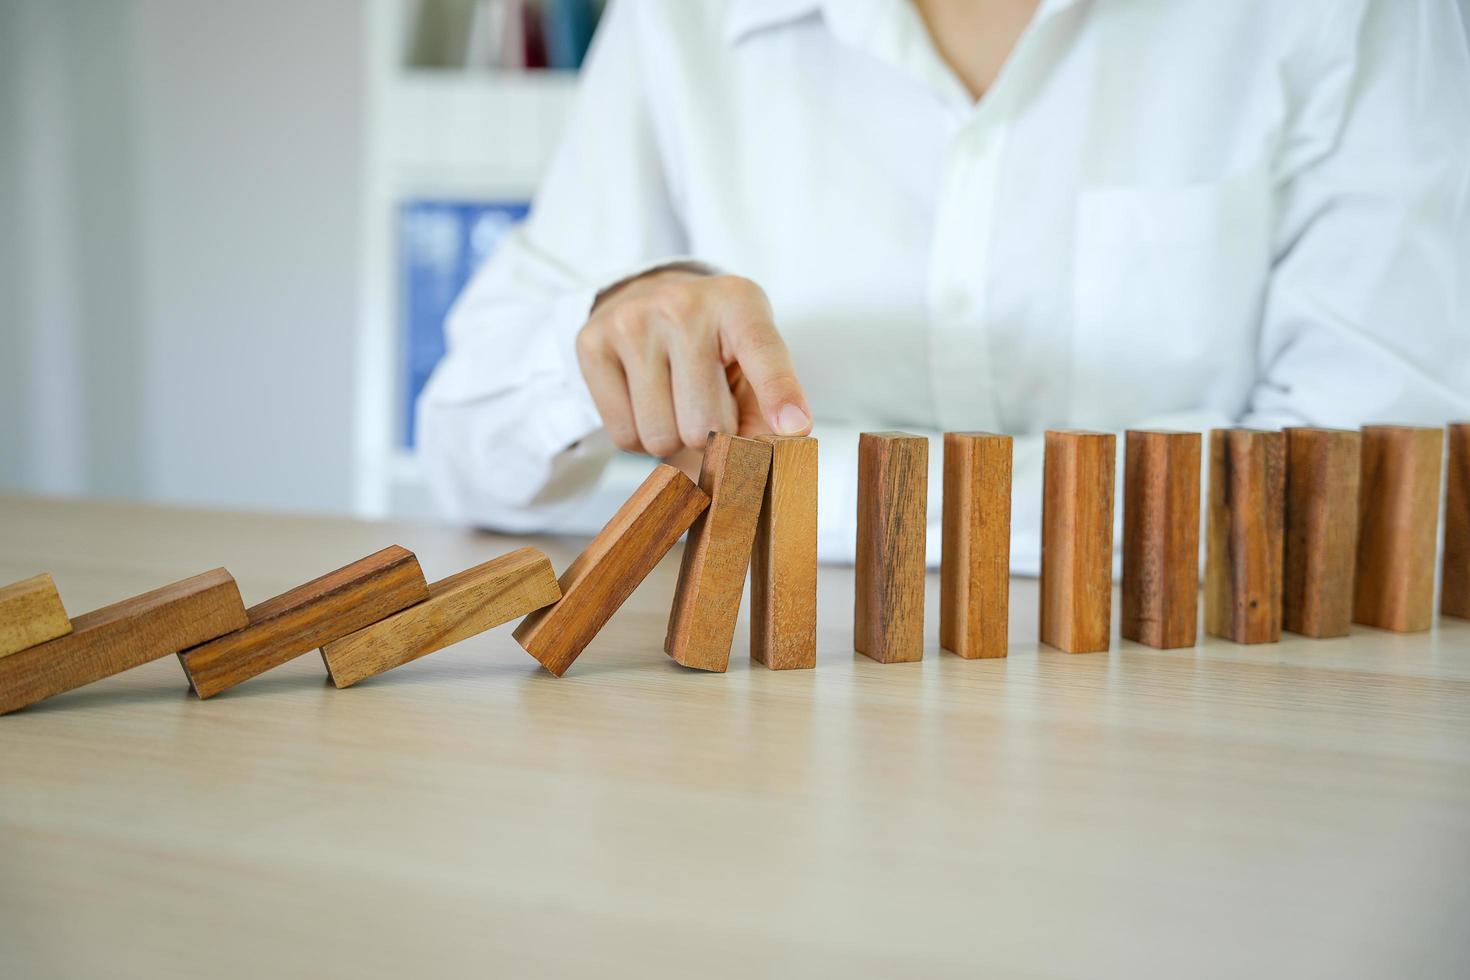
<point>31,612</point>
<point>458,607</point>
<point>1077,540</point>
<point>1321,549</point>
<point>975,563</point>
<point>717,554</point>
<point>603,576</point>
<point>1244,548</point>
<point>1160,595</point>
<point>1455,583</point>
<point>1398,517</point>
<point>892,522</point>
<point>783,562</point>
<point>124,635</point>
<point>309,616</point>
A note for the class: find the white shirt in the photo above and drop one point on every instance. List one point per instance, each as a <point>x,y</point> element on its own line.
<point>1182,213</point>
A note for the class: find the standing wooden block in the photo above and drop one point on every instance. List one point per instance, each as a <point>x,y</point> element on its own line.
<point>1455,584</point>
<point>621,556</point>
<point>458,608</point>
<point>1077,540</point>
<point>892,523</point>
<point>1322,467</point>
<point>1398,517</point>
<point>30,613</point>
<point>712,574</point>
<point>975,562</point>
<point>783,564</point>
<point>1161,538</point>
<point>122,636</point>
<point>310,615</point>
<point>1244,547</point>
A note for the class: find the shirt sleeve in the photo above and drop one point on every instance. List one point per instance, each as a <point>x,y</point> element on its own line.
<point>1366,317</point>
<point>508,432</point>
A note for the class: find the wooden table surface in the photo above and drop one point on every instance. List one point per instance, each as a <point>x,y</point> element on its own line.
<point>1296,809</point>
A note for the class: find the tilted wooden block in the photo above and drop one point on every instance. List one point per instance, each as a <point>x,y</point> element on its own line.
<point>458,607</point>
<point>712,573</point>
<point>122,636</point>
<point>1077,540</point>
<point>30,613</point>
<point>975,555</point>
<point>309,616</point>
<point>1245,538</point>
<point>1321,550</point>
<point>1160,596</point>
<point>783,563</point>
<point>602,577</point>
<point>892,523</point>
<point>1398,517</point>
<point>1455,583</point>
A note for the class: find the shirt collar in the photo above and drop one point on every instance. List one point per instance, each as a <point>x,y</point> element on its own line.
<point>746,17</point>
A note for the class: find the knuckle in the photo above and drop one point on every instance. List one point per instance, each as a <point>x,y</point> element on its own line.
<point>682,300</point>
<point>695,435</point>
<point>625,437</point>
<point>628,325</point>
<point>662,443</point>
<point>741,290</point>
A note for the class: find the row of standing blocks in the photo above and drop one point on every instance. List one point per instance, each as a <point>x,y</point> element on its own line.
<point>1307,529</point>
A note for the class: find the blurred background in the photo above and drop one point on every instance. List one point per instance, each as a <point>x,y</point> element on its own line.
<point>229,232</point>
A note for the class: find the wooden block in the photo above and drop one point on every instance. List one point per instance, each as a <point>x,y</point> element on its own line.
<point>1455,583</point>
<point>712,573</point>
<point>783,564</point>
<point>1160,597</point>
<point>1077,540</point>
<point>1245,537</point>
<point>1398,520</point>
<point>892,522</point>
<point>30,613</point>
<point>309,616</point>
<point>122,636</point>
<point>975,556</point>
<point>621,556</point>
<point>458,608</point>
<point>1321,550</point>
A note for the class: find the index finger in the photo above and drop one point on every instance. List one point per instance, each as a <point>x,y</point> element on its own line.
<point>750,338</point>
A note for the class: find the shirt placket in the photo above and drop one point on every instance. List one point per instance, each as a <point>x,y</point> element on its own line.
<point>960,365</point>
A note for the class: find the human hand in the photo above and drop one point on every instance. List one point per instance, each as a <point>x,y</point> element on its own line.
<point>674,354</point>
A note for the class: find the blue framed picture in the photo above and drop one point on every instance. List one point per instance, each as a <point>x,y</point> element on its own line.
<point>442,243</point>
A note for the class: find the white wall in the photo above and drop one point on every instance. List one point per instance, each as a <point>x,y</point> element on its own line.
<point>180,188</point>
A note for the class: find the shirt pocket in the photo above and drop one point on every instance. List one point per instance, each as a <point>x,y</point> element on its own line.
<point>1167,294</point>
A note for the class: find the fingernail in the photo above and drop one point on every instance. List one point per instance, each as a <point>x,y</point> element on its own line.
<point>792,421</point>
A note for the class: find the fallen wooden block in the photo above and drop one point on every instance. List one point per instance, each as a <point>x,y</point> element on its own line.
<point>1321,545</point>
<point>975,556</point>
<point>124,635</point>
<point>31,612</point>
<point>892,522</point>
<point>309,616</point>
<point>458,607</point>
<point>1160,596</point>
<point>1244,544</point>
<point>712,573</point>
<point>1077,540</point>
<point>621,556</point>
<point>1398,517</point>
<point>783,563</point>
<point>1455,583</point>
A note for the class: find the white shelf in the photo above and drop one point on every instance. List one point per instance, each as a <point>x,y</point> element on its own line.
<point>462,134</point>
<point>435,134</point>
